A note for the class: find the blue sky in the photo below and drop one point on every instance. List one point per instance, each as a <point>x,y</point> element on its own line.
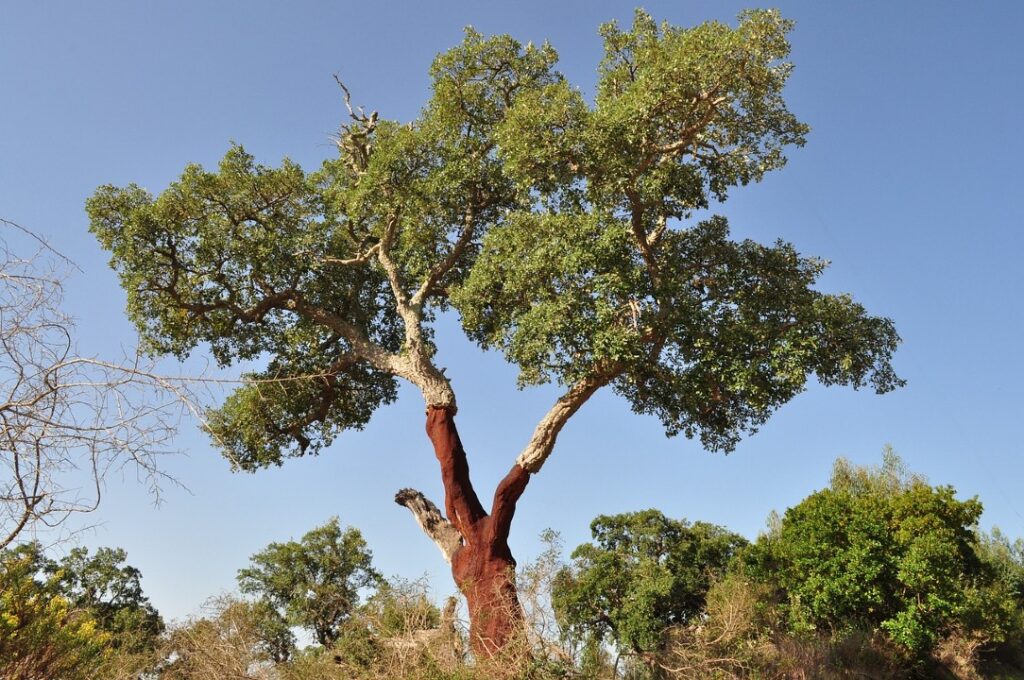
<point>909,184</point>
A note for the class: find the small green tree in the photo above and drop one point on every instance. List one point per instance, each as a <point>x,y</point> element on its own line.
<point>643,573</point>
<point>1006,559</point>
<point>879,549</point>
<point>276,639</point>
<point>561,231</point>
<point>315,582</point>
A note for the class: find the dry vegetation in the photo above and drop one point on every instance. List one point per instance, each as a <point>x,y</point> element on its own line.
<point>406,639</point>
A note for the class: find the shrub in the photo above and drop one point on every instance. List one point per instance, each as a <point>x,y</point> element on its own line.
<point>42,634</point>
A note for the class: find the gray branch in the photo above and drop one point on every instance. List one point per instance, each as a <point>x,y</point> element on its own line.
<point>433,523</point>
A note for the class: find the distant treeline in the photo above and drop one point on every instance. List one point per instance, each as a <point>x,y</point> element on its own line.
<point>878,575</point>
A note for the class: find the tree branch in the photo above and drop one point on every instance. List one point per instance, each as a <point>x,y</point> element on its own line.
<point>460,500</point>
<point>506,496</point>
<point>434,524</point>
<point>443,267</point>
<point>361,345</point>
<point>390,268</point>
<point>360,258</point>
<point>545,434</point>
<point>66,421</point>
<point>640,235</point>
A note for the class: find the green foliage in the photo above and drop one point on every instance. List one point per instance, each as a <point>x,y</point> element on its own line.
<point>275,637</point>
<point>112,592</point>
<point>556,228</point>
<point>709,334</point>
<point>658,86</point>
<point>198,263</point>
<point>996,606</point>
<point>644,573</point>
<point>1006,559</point>
<point>294,408</point>
<point>314,583</point>
<point>43,634</point>
<point>877,550</point>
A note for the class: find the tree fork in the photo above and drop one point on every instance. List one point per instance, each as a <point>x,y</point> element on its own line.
<point>473,541</point>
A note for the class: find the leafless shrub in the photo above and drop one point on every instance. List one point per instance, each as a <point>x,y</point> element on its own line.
<point>739,637</point>
<point>725,643</point>
<point>225,644</point>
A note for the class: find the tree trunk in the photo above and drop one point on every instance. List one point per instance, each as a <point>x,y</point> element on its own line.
<point>485,573</point>
<point>483,566</point>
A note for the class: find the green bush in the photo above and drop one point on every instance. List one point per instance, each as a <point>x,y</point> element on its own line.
<point>878,550</point>
<point>643,573</point>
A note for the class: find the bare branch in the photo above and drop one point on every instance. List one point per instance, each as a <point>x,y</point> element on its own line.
<point>433,523</point>
<point>67,421</point>
<point>41,241</point>
<point>390,268</point>
<point>354,140</point>
<point>359,259</point>
<point>355,114</point>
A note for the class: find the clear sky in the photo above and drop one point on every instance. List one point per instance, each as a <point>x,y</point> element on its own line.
<point>909,184</point>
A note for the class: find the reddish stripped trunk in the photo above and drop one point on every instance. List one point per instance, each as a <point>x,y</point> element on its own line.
<point>483,567</point>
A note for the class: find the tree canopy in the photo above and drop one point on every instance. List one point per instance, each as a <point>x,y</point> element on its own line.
<point>78,617</point>
<point>643,573</point>
<point>111,591</point>
<point>313,583</point>
<point>556,227</point>
<point>42,634</point>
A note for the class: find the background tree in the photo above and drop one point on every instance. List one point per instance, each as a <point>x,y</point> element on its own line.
<point>878,550</point>
<point>112,593</point>
<point>314,583</point>
<point>559,229</point>
<point>997,607</point>
<point>79,618</point>
<point>66,420</point>
<point>643,573</point>
<point>41,634</point>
